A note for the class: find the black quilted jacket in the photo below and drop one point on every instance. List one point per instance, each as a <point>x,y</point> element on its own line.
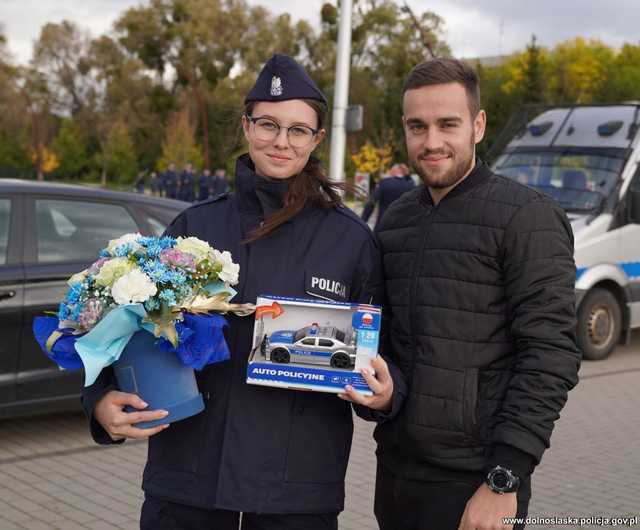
<point>481,296</point>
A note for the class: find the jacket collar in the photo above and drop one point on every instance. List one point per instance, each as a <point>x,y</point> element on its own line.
<point>479,174</point>
<point>258,194</point>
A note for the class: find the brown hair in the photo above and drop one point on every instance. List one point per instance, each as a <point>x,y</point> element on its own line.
<point>440,71</point>
<point>312,184</point>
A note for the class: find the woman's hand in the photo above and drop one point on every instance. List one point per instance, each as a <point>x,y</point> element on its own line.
<point>380,384</point>
<point>109,412</point>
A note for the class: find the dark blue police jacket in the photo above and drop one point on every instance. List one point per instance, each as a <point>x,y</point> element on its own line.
<point>259,449</point>
<point>387,191</point>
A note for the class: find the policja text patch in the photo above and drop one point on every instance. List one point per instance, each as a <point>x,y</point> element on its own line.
<point>325,288</point>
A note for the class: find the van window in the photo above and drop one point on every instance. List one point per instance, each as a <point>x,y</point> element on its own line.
<point>77,230</point>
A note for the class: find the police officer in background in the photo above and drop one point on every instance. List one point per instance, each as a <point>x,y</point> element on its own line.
<point>155,184</point>
<point>170,182</point>
<point>139,183</point>
<point>221,183</point>
<point>186,186</point>
<point>205,185</point>
<point>278,456</point>
<point>389,189</point>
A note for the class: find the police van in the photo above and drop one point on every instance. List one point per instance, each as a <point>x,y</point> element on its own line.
<point>587,158</point>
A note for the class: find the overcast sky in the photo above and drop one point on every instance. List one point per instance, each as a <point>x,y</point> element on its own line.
<point>473,27</point>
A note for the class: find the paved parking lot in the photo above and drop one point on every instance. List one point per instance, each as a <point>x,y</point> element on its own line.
<point>592,468</point>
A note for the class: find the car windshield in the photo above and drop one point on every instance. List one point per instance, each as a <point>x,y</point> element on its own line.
<point>340,335</point>
<point>579,182</point>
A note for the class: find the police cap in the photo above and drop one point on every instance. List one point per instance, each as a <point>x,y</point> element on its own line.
<point>282,78</point>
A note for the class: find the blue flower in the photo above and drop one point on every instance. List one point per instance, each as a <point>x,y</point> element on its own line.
<point>104,253</point>
<point>63,311</point>
<point>74,293</point>
<point>156,271</point>
<point>123,251</point>
<point>152,304</point>
<point>176,277</point>
<point>168,297</point>
<point>155,245</point>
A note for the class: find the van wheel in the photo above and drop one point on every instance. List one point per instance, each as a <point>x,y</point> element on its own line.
<point>340,360</point>
<point>280,355</point>
<point>599,324</point>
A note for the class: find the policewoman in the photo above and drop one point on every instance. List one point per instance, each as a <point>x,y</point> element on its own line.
<point>277,456</point>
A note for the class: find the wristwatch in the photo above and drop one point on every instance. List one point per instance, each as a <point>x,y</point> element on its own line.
<point>502,480</point>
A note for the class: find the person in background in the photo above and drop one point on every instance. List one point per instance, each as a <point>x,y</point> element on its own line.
<point>170,181</point>
<point>155,184</point>
<point>221,183</point>
<point>186,185</point>
<point>139,182</point>
<point>389,189</point>
<point>205,185</point>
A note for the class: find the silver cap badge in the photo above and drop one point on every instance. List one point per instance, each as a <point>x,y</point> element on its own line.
<point>276,86</point>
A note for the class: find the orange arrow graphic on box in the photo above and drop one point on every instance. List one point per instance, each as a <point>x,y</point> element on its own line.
<point>275,310</point>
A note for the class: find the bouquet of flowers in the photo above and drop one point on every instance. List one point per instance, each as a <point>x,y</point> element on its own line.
<point>174,289</point>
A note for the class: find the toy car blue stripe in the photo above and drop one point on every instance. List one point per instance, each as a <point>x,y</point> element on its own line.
<point>308,353</point>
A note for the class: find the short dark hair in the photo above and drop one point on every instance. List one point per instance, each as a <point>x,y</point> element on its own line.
<point>440,71</point>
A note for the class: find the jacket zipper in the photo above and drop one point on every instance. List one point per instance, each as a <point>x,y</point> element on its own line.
<point>426,224</point>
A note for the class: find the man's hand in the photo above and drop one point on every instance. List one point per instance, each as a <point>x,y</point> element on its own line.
<point>380,384</point>
<point>486,509</point>
<point>109,412</point>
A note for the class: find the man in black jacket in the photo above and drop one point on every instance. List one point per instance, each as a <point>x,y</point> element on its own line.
<point>480,277</point>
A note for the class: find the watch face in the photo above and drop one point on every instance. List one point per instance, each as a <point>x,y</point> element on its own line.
<point>500,480</point>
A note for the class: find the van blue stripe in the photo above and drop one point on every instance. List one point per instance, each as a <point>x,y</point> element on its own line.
<point>631,269</point>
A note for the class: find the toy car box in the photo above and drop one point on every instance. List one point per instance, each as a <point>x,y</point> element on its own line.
<point>313,345</point>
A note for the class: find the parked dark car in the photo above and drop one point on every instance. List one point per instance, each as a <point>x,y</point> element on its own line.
<point>47,233</point>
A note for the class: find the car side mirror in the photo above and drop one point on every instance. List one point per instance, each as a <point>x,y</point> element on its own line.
<point>634,205</point>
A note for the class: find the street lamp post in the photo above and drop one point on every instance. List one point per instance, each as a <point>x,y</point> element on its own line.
<point>341,94</point>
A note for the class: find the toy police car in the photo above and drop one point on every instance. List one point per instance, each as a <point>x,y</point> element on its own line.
<point>326,345</point>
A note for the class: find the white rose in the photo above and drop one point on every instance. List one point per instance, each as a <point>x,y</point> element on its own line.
<point>194,246</point>
<point>132,239</point>
<point>113,269</point>
<point>230,270</point>
<point>132,288</point>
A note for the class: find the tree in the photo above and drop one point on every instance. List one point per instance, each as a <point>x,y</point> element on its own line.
<point>533,88</point>
<point>125,91</point>
<point>200,39</point>
<point>38,102</point>
<point>14,144</point>
<point>59,55</point>
<point>579,71</point>
<point>180,146</point>
<point>70,150</point>
<point>387,41</point>
<point>119,158</point>
<point>624,81</point>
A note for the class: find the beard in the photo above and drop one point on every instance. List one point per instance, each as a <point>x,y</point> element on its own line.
<point>462,163</point>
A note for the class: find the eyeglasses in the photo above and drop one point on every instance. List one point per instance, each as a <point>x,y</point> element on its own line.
<point>268,130</point>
